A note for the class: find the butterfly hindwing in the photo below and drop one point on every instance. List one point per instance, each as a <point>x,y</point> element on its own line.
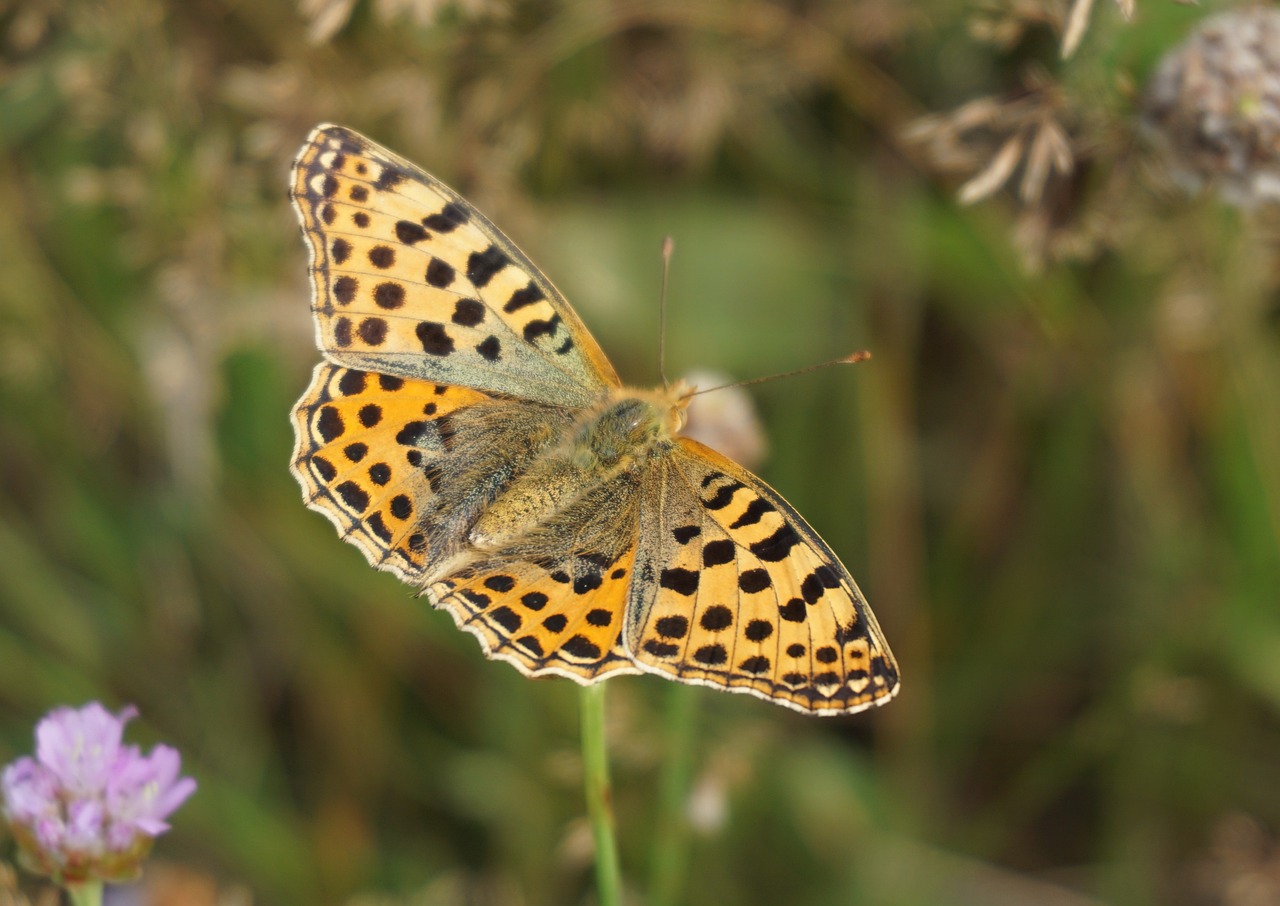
<point>744,595</point>
<point>555,601</point>
<point>353,469</point>
<point>403,467</point>
<point>409,279</point>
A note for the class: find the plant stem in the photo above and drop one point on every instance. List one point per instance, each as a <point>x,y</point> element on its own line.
<point>671,840</point>
<point>87,894</point>
<point>595,764</point>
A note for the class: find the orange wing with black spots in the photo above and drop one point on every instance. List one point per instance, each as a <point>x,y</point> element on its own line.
<point>409,279</point>
<point>555,600</point>
<point>563,618</point>
<point>361,458</point>
<point>745,596</point>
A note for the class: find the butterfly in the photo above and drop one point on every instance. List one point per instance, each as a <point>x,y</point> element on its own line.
<point>467,433</point>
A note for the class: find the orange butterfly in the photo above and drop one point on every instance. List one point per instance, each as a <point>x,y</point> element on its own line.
<point>467,433</point>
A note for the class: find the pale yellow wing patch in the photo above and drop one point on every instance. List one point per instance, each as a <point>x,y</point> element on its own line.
<point>745,596</point>
<point>409,279</point>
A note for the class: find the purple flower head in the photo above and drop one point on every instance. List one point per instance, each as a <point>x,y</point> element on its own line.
<point>87,806</point>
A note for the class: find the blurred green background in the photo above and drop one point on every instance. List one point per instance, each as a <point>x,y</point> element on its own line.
<point>1058,481</point>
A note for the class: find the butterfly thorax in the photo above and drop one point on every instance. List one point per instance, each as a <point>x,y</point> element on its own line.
<point>615,436</point>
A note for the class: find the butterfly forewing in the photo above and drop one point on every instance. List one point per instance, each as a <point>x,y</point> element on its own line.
<point>410,279</point>
<point>745,596</point>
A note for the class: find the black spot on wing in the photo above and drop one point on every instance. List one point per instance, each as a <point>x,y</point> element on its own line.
<point>778,545</point>
<point>378,527</point>
<point>468,312</point>
<point>373,331</point>
<point>715,553</point>
<point>342,332</point>
<point>434,338</point>
<point>409,232</point>
<point>673,627</point>
<point>344,289</point>
<point>681,581</point>
<point>751,515</point>
<point>490,348</point>
<point>483,266</point>
<point>389,178</point>
<point>522,297</point>
<point>661,649</point>
<point>534,600</point>
<point>353,496</point>
<point>370,415</point>
<point>539,328</point>
<point>793,611</point>
<point>723,496</point>
<point>324,468</point>
<point>388,295</point>
<point>685,533</point>
<point>440,274</point>
<point>329,424</point>
<point>413,434</point>
<point>507,618</point>
<point>449,219</point>
<point>352,382</point>
<point>716,618</point>
<point>711,655</point>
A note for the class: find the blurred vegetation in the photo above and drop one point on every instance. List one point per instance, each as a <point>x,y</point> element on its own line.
<point>1058,482</point>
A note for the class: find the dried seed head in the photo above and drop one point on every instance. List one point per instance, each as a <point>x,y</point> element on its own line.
<point>1213,107</point>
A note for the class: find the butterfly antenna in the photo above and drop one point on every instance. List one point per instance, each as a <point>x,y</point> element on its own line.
<point>853,357</point>
<point>668,249</point>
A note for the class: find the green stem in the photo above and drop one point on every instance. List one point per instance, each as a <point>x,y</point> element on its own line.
<point>671,841</point>
<point>87,894</point>
<point>595,764</point>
